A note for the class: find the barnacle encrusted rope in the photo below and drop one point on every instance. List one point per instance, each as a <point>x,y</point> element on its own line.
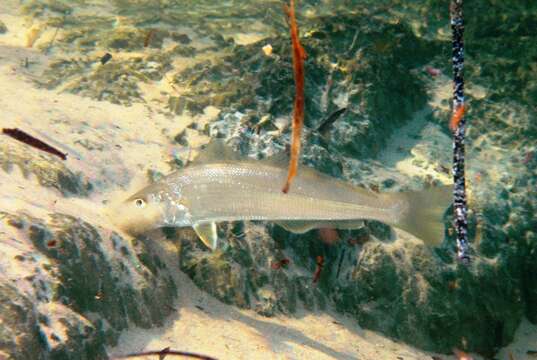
<point>458,126</point>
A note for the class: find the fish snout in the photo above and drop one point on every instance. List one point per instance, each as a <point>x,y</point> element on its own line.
<point>134,219</point>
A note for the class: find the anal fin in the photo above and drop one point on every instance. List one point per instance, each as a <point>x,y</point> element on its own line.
<point>207,234</point>
<point>302,226</point>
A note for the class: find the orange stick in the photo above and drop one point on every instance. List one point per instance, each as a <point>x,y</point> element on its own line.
<point>456,118</point>
<point>298,112</point>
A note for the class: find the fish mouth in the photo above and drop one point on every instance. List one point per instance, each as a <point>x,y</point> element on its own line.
<point>135,221</point>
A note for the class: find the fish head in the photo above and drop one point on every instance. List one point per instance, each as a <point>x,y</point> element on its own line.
<point>152,207</point>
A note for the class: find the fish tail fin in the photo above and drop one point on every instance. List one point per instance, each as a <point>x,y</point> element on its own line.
<point>424,213</point>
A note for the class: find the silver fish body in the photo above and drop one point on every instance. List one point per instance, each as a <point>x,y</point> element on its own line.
<point>249,191</point>
<point>201,195</point>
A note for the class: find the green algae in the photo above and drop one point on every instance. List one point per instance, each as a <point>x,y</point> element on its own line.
<point>116,81</point>
<point>127,27</point>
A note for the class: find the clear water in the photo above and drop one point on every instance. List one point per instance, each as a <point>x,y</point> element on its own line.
<point>130,90</point>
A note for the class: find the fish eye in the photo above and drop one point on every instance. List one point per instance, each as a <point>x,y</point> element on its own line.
<point>139,203</point>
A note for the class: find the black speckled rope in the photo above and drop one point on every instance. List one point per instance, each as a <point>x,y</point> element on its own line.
<point>459,189</point>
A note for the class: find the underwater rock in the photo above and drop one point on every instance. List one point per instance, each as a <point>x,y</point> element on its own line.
<point>352,65</point>
<point>141,29</point>
<point>18,328</point>
<point>37,8</point>
<point>183,50</point>
<point>181,38</point>
<point>66,332</point>
<point>505,52</point>
<point>49,171</point>
<point>241,273</point>
<point>83,285</point>
<point>529,277</point>
<point>403,290</point>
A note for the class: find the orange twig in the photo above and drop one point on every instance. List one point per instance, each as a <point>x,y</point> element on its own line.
<point>165,353</point>
<point>456,118</point>
<point>298,112</point>
<point>148,37</point>
<point>320,263</point>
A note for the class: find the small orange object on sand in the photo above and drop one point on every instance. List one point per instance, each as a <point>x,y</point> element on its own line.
<point>298,112</point>
<point>456,118</point>
<point>320,263</point>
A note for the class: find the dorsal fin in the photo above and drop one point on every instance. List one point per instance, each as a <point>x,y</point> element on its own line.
<point>280,159</point>
<point>216,151</point>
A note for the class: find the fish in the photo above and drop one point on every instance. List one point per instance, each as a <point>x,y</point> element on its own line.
<point>327,123</point>
<point>221,186</point>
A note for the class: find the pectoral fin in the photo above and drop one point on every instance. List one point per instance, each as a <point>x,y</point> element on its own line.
<point>302,226</point>
<point>207,234</point>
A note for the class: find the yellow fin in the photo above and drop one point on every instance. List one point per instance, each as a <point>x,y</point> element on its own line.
<point>207,234</point>
<point>216,151</point>
<point>424,215</point>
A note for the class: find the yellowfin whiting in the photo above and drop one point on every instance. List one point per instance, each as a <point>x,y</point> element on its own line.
<point>222,186</point>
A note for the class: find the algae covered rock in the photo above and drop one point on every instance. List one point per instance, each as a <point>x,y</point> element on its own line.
<point>117,81</point>
<point>124,39</point>
<point>76,287</point>
<point>356,71</point>
<point>18,331</point>
<point>248,272</point>
<point>403,290</point>
<point>505,51</point>
<point>146,30</point>
<point>49,170</point>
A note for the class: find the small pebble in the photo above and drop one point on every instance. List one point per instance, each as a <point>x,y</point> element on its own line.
<point>267,49</point>
<point>106,57</point>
